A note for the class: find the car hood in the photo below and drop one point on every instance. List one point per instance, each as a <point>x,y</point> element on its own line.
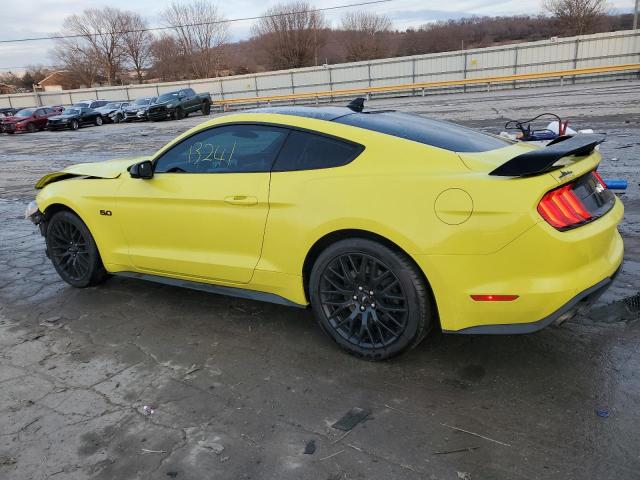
<point>105,110</point>
<point>14,119</point>
<point>107,169</point>
<point>63,115</point>
<point>135,108</point>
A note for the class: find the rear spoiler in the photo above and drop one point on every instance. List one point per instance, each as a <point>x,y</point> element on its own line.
<point>541,160</point>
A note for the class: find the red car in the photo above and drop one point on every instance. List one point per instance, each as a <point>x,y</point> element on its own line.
<point>28,120</point>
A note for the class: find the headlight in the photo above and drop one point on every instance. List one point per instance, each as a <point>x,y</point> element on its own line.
<point>31,209</point>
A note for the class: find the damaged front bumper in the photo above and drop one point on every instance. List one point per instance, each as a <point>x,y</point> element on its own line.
<point>33,213</point>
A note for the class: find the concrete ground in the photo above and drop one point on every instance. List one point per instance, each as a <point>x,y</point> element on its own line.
<point>240,389</point>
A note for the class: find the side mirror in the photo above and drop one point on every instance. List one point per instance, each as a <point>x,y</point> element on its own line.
<point>142,170</point>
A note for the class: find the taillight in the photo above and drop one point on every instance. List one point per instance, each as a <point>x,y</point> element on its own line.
<point>563,209</point>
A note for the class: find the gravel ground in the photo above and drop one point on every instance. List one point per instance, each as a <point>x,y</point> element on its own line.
<point>241,389</point>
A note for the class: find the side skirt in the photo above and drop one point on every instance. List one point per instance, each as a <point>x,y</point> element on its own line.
<point>217,289</point>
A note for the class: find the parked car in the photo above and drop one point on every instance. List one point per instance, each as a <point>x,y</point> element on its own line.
<point>91,103</point>
<point>179,104</point>
<point>75,117</point>
<point>27,120</point>
<point>113,111</point>
<point>138,109</point>
<point>462,231</point>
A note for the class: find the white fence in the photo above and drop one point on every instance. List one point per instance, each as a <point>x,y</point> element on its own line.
<point>585,51</point>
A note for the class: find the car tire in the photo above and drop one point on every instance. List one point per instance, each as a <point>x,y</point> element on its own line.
<point>98,121</point>
<point>371,300</point>
<point>206,108</point>
<point>73,252</point>
<point>31,128</point>
<point>179,115</point>
<point>118,118</point>
<point>75,125</point>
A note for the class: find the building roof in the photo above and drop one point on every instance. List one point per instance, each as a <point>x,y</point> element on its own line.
<point>54,78</point>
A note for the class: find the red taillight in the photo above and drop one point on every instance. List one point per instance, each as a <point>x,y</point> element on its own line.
<point>494,298</point>
<point>562,208</point>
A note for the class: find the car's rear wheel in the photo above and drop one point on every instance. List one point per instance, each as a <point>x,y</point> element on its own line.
<point>98,121</point>
<point>370,299</point>
<point>73,251</point>
<point>31,128</point>
<point>179,115</point>
<point>206,108</point>
<point>75,125</point>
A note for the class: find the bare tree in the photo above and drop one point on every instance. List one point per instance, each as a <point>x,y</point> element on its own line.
<point>168,61</point>
<point>79,59</point>
<point>201,32</point>
<point>101,30</point>
<point>291,34</point>
<point>137,43</point>
<point>365,35</point>
<point>577,16</point>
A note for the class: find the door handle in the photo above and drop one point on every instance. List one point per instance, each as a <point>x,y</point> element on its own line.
<point>241,200</point>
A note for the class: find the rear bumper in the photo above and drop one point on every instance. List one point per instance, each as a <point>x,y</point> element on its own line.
<point>580,302</point>
<point>551,272</point>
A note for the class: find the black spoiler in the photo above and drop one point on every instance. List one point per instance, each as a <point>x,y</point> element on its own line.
<point>539,161</point>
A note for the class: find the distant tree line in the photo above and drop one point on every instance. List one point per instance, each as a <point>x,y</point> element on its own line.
<point>109,46</point>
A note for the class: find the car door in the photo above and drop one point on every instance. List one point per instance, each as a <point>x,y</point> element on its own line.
<point>88,116</point>
<point>40,118</point>
<point>203,214</point>
<point>190,99</point>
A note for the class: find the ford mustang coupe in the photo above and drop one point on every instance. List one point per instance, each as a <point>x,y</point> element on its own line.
<point>387,224</point>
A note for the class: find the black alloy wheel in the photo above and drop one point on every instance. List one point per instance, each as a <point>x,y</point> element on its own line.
<point>370,299</point>
<point>73,252</point>
<point>75,125</point>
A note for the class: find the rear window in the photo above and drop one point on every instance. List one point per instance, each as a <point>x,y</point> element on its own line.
<point>307,151</point>
<point>436,133</point>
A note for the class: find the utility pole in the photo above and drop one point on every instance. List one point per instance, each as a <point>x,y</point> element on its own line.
<point>635,16</point>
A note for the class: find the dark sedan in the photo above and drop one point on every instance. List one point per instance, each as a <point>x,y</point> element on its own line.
<point>74,118</point>
<point>27,120</point>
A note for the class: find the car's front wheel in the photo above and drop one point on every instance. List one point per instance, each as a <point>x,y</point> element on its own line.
<point>73,252</point>
<point>75,124</point>
<point>370,299</point>
<point>98,121</point>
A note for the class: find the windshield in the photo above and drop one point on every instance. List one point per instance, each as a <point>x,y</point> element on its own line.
<point>142,101</point>
<point>72,111</point>
<point>167,97</point>
<point>112,105</point>
<point>25,112</point>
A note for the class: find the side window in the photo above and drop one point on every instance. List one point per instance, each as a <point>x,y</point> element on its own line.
<point>307,151</point>
<point>226,149</point>
<point>48,111</point>
<point>39,112</point>
<point>188,92</point>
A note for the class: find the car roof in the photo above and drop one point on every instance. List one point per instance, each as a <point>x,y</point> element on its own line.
<point>417,128</point>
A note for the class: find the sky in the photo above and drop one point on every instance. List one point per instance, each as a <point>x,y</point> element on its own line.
<point>20,19</point>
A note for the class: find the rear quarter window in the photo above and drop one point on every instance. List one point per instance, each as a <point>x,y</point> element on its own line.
<point>448,136</point>
<point>308,151</point>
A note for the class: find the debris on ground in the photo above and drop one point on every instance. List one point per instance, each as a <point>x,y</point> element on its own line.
<point>52,322</point>
<point>352,418</point>
<point>144,450</point>
<point>172,474</point>
<point>475,435</point>
<point>213,446</point>
<point>193,369</point>
<point>457,450</point>
<point>332,455</point>
<point>149,409</point>
<point>464,475</point>
<point>6,460</point>
<point>310,447</point>
<point>602,412</point>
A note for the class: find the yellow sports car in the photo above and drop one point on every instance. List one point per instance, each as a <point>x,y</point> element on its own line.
<point>388,224</point>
